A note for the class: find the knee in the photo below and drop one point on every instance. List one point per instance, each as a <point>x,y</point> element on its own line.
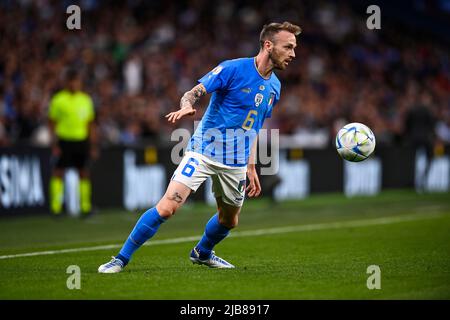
<point>165,209</point>
<point>229,222</point>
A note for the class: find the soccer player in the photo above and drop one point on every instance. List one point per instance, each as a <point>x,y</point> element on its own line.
<point>71,120</point>
<point>244,92</point>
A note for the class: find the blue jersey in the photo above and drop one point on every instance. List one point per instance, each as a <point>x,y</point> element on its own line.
<point>240,102</point>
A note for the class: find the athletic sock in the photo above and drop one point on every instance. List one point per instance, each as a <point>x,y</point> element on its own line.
<point>214,233</point>
<point>144,229</point>
<point>56,194</point>
<point>85,195</point>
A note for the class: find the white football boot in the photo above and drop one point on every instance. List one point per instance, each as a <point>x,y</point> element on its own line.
<point>114,266</point>
<point>213,261</point>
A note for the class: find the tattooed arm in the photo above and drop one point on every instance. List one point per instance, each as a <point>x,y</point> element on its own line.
<point>176,197</point>
<point>192,96</point>
<point>187,103</point>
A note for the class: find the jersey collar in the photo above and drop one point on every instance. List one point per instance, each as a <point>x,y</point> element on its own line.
<point>256,68</point>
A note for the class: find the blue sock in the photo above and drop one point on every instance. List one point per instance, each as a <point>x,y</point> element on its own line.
<point>214,233</point>
<point>144,229</point>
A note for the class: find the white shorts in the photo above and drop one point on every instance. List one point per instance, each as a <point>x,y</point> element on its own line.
<point>227,182</point>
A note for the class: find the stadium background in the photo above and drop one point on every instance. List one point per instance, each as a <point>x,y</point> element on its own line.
<point>137,59</point>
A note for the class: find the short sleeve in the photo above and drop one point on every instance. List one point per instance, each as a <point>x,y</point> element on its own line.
<point>218,78</point>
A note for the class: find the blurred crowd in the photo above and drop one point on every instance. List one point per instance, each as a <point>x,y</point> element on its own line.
<point>138,58</point>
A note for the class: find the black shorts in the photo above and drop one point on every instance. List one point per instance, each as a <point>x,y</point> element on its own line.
<point>74,154</point>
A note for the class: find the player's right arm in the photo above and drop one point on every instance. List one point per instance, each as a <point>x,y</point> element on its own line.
<point>187,103</point>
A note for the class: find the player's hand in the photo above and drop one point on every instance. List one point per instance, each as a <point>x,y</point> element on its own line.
<point>177,115</point>
<point>254,187</point>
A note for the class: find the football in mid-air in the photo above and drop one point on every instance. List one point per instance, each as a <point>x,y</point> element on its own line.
<point>355,142</point>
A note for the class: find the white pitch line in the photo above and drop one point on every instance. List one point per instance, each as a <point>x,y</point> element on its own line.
<point>249,233</point>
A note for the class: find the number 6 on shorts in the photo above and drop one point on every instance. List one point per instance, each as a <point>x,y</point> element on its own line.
<point>188,169</point>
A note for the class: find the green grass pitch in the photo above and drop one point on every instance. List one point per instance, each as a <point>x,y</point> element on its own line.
<point>317,248</point>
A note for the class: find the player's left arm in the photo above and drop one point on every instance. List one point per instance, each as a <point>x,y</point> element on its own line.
<point>254,187</point>
<point>187,103</point>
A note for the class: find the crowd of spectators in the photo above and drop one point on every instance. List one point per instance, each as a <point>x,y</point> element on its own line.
<point>138,58</point>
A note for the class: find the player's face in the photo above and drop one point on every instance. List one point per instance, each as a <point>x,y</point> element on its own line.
<point>283,49</point>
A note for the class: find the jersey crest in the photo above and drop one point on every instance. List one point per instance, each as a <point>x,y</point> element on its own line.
<point>258,99</point>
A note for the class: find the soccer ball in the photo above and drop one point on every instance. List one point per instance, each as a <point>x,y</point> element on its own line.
<point>355,142</point>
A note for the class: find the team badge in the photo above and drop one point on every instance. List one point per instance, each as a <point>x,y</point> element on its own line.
<point>241,186</point>
<point>258,99</point>
<point>261,87</point>
<point>272,96</point>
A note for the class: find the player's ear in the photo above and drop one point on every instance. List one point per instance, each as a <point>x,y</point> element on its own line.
<point>268,45</point>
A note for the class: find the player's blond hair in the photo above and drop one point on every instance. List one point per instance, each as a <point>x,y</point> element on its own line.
<point>270,30</point>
